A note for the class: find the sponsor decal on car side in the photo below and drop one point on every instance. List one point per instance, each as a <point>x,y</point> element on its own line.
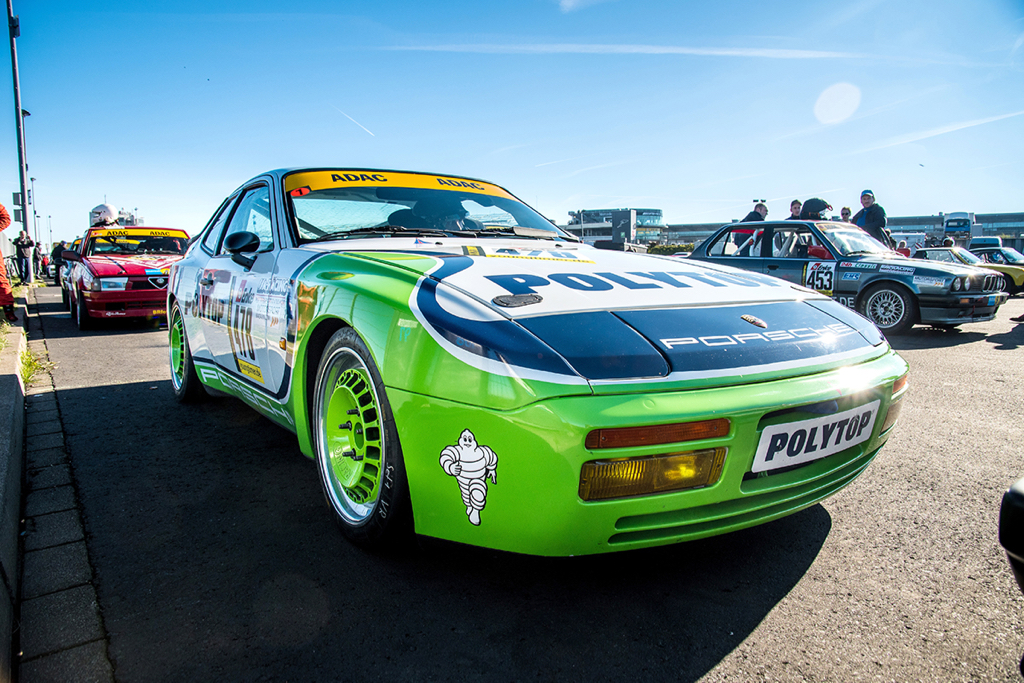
<point>900,270</point>
<point>472,465</point>
<point>851,276</point>
<point>929,281</point>
<point>857,264</point>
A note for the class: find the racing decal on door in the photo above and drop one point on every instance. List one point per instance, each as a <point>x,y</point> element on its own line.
<point>240,315</point>
<point>472,465</point>
<point>820,275</point>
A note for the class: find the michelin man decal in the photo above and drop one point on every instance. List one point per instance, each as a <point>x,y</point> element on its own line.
<point>471,465</point>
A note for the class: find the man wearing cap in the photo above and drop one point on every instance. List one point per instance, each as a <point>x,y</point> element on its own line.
<point>872,218</point>
<point>758,214</point>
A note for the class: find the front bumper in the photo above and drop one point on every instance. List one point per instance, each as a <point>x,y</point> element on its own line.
<point>126,304</point>
<point>955,310</point>
<point>533,505</point>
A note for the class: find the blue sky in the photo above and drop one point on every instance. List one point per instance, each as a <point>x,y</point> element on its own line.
<point>693,108</point>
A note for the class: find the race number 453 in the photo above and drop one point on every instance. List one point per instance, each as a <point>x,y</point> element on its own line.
<point>820,275</point>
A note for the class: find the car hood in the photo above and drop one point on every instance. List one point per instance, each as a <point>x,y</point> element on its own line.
<point>574,313</point>
<point>103,265</point>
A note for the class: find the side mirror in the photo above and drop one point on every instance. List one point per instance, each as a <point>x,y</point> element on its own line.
<point>69,255</point>
<point>239,243</point>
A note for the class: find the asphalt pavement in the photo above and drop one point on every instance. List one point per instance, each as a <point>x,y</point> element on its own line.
<point>193,543</point>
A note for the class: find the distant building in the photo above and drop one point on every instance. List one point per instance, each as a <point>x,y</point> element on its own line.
<point>594,225</point>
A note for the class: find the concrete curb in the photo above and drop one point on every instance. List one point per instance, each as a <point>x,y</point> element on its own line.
<point>12,429</point>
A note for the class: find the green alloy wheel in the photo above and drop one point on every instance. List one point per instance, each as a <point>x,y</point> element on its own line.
<point>187,388</point>
<point>358,454</point>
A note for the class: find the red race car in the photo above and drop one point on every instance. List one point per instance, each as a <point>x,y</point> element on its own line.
<point>122,272</point>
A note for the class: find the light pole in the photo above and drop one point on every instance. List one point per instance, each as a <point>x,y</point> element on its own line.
<point>14,29</point>
<point>35,214</point>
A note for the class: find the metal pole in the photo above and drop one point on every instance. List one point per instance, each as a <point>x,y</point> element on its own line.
<point>15,30</point>
<point>35,214</point>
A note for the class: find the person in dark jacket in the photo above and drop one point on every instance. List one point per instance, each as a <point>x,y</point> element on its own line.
<point>758,214</point>
<point>794,210</point>
<point>872,218</point>
<point>57,258</point>
<point>23,245</point>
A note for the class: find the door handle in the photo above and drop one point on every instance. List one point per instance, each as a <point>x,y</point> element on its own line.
<point>206,281</point>
<point>771,267</point>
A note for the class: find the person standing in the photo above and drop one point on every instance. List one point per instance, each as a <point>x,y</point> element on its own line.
<point>758,214</point>
<point>23,249</point>
<point>6,295</point>
<point>37,260</point>
<point>872,218</point>
<point>57,258</point>
<point>794,210</point>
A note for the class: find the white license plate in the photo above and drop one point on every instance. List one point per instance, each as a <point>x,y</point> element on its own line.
<point>795,443</point>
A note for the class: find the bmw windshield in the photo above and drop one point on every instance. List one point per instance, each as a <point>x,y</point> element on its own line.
<point>851,241</point>
<point>379,205</point>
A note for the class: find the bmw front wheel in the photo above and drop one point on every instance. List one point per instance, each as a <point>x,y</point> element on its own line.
<point>890,307</point>
<point>357,450</point>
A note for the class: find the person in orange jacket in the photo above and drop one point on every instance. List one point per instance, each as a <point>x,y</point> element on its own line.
<point>6,295</point>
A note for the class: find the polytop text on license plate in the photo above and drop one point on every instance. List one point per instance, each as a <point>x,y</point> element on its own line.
<point>795,443</point>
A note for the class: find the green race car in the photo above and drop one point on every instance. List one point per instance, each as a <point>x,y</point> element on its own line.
<point>457,365</point>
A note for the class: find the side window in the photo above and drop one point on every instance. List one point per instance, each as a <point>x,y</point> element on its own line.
<point>212,238</point>
<point>739,242</point>
<point>253,215</point>
<point>798,242</point>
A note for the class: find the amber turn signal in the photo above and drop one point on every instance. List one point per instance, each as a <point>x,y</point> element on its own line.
<point>625,477</point>
<point>625,437</point>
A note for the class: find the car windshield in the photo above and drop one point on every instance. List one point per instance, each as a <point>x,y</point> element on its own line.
<point>1012,255</point>
<point>849,242</point>
<point>391,210</point>
<point>967,257</point>
<point>135,245</point>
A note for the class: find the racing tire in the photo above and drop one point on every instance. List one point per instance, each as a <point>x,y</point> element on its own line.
<point>890,307</point>
<point>64,300</point>
<point>358,454</point>
<point>81,314</point>
<point>184,380</point>
<point>1008,286</point>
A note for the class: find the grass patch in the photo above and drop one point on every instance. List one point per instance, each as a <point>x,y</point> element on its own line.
<point>5,327</point>
<point>31,366</point>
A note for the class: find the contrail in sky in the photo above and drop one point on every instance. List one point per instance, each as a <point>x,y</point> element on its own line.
<point>580,48</point>
<point>942,130</point>
<point>354,121</point>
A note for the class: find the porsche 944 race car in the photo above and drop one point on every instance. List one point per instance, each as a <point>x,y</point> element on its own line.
<point>121,272</point>
<point>842,261</point>
<point>456,364</point>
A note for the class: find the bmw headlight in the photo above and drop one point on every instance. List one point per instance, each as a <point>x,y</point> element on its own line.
<point>967,283</point>
<point>112,284</point>
<point>957,284</point>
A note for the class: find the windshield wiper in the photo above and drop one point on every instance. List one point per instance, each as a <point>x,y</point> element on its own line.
<point>385,230</point>
<point>520,231</point>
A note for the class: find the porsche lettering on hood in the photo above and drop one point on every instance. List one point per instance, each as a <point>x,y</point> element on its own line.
<point>591,315</point>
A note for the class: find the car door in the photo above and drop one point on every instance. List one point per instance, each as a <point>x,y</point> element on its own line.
<point>234,325</point>
<point>739,246</point>
<point>799,256</point>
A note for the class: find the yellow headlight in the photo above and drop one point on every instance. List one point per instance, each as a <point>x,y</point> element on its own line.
<point>623,477</point>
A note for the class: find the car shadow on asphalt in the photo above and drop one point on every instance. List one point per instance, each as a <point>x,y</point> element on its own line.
<point>209,534</point>
<point>921,337</point>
